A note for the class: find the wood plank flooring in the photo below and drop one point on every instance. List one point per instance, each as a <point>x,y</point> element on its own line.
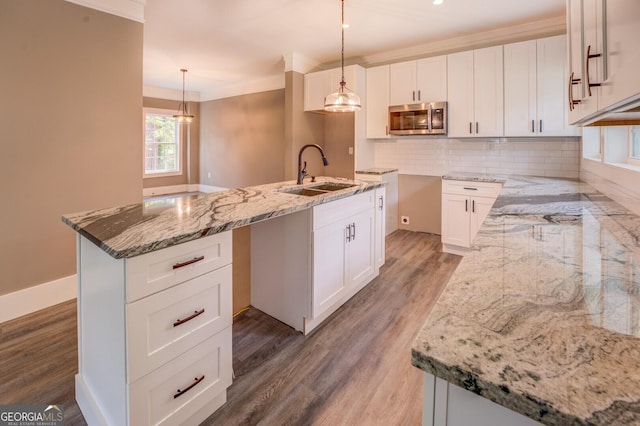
<point>354,369</point>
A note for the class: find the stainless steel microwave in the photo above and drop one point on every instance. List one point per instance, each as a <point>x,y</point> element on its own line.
<point>418,119</point>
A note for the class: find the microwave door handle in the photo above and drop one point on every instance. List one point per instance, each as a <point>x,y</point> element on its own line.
<point>430,119</point>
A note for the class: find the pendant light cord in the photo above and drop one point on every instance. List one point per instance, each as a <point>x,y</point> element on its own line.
<point>342,82</point>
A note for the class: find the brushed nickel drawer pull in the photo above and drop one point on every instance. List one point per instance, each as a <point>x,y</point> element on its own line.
<point>189,318</point>
<point>470,189</point>
<point>188,262</point>
<point>187,389</point>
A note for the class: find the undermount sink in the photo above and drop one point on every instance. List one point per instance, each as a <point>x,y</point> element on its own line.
<point>309,192</point>
<point>329,186</point>
<point>323,188</point>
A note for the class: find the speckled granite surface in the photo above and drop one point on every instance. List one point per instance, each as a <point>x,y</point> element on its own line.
<point>473,177</point>
<point>135,229</point>
<point>542,316</point>
<point>376,171</point>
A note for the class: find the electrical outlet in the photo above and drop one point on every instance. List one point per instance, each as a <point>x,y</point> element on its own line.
<point>404,220</point>
<point>350,150</point>
<point>209,175</point>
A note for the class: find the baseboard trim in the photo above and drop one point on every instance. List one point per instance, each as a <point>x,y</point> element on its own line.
<point>176,189</point>
<point>32,299</point>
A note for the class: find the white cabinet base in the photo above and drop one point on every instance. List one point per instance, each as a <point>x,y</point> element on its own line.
<point>445,404</point>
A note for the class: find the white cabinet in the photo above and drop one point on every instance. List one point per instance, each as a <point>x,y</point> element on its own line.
<point>535,87</point>
<point>380,225</point>
<point>465,205</point>
<point>154,333</point>
<point>305,265</point>
<point>603,56</point>
<point>391,196</point>
<point>378,102</point>
<point>317,85</point>
<point>475,93</point>
<point>424,80</point>
<point>343,249</point>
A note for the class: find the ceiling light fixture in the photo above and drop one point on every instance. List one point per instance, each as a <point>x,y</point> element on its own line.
<point>183,116</point>
<point>342,100</point>
<point>437,1</point>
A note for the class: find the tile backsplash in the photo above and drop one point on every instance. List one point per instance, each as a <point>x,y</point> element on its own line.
<point>552,157</point>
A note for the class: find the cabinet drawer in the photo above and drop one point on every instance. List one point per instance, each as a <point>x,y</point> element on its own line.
<point>153,399</point>
<point>162,326</point>
<point>155,271</point>
<point>326,214</point>
<point>476,189</point>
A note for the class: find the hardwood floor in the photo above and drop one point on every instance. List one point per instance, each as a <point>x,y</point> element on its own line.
<point>354,369</point>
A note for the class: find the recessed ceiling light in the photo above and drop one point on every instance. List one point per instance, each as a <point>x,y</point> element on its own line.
<point>437,1</point>
<point>345,25</point>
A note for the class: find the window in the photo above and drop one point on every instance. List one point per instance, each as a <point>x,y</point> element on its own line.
<point>634,145</point>
<point>161,144</point>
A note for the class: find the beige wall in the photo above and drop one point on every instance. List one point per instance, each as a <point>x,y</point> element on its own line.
<point>339,134</point>
<point>420,198</point>
<point>71,85</point>
<point>301,128</point>
<point>190,134</point>
<point>242,140</point>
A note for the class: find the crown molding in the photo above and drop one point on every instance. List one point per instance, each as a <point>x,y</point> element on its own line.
<point>273,82</point>
<point>505,35</point>
<point>299,63</point>
<point>171,94</point>
<point>129,9</point>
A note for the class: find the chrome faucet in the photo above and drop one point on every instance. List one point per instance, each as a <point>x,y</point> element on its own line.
<point>302,171</point>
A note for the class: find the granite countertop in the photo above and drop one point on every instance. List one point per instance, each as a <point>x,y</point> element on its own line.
<point>136,229</point>
<point>475,177</point>
<point>376,171</point>
<point>542,315</point>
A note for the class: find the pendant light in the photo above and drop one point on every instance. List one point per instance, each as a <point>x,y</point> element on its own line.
<point>342,100</point>
<point>183,116</point>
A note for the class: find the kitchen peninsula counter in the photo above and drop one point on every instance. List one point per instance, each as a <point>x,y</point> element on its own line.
<point>135,229</point>
<point>542,316</point>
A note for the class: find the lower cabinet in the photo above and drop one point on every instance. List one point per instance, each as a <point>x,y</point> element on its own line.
<point>465,205</point>
<point>154,333</point>
<point>305,265</point>
<point>380,227</point>
<point>343,249</point>
<point>445,404</point>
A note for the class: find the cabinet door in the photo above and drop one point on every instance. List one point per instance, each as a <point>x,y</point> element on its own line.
<point>431,79</point>
<point>455,220</point>
<point>316,87</point>
<point>591,37</point>
<point>622,33</point>
<point>359,263</point>
<point>402,83</point>
<point>488,92</point>
<point>460,94</point>
<point>328,265</point>
<point>574,54</point>
<point>378,102</point>
<point>480,207</point>
<point>520,89</point>
<point>552,88</point>
<point>380,225</point>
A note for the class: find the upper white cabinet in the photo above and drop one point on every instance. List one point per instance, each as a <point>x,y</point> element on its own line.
<point>603,56</point>
<point>317,85</point>
<point>535,88</point>
<point>424,80</point>
<point>475,93</point>
<point>378,102</point>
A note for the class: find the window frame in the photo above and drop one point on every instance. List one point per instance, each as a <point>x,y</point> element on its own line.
<point>179,137</point>
<point>634,161</point>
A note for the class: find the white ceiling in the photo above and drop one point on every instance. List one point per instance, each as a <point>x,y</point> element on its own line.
<point>226,43</point>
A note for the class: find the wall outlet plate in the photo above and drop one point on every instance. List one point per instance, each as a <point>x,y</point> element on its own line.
<point>404,220</point>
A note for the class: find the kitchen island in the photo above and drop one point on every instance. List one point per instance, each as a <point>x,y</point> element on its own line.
<point>155,288</point>
<point>542,315</point>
